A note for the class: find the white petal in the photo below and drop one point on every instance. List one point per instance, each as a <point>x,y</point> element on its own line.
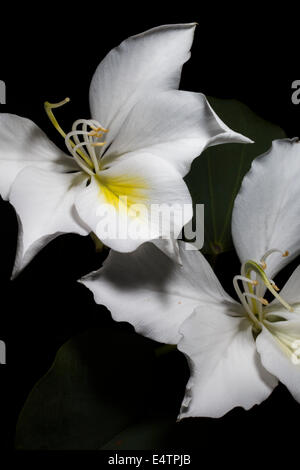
<point>175,125</point>
<point>225,367</point>
<point>291,292</point>
<point>44,202</point>
<point>22,143</point>
<point>169,247</point>
<point>275,359</point>
<point>266,212</point>
<point>141,64</point>
<point>146,181</point>
<point>153,293</point>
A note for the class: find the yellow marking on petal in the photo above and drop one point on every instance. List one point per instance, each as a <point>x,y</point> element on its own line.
<point>122,191</point>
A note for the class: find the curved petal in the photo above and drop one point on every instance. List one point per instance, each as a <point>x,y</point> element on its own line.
<point>291,294</point>
<point>44,202</point>
<point>175,125</point>
<point>153,293</point>
<point>169,247</point>
<point>225,367</point>
<point>22,143</point>
<point>266,212</point>
<point>122,205</point>
<point>273,355</point>
<point>141,64</point>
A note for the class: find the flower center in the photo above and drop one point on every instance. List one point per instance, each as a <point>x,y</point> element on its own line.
<point>86,134</point>
<point>254,281</point>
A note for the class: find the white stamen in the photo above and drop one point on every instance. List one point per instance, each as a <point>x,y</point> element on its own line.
<point>253,289</point>
<point>244,302</point>
<point>274,285</point>
<point>288,344</point>
<point>253,282</point>
<point>84,149</point>
<point>296,344</point>
<point>259,299</point>
<point>268,253</point>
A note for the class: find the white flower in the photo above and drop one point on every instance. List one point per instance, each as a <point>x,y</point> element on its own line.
<point>237,351</point>
<point>140,142</point>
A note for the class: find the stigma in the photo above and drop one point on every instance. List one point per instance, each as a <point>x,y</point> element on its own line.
<point>86,135</point>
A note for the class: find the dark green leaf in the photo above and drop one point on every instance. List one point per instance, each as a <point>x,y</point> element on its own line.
<point>143,436</point>
<point>98,385</point>
<point>216,176</point>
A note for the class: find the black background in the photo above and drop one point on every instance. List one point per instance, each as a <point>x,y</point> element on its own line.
<point>53,57</point>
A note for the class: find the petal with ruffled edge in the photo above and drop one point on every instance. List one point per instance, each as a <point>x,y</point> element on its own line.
<point>275,357</point>
<point>135,201</point>
<point>174,125</point>
<point>153,293</point>
<point>141,64</point>
<point>266,212</point>
<point>225,368</point>
<point>22,143</point>
<point>44,202</point>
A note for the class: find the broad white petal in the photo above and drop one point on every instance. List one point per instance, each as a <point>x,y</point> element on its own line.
<point>121,205</point>
<point>274,356</point>
<point>141,64</point>
<point>44,202</point>
<point>225,368</point>
<point>154,294</point>
<point>174,125</point>
<point>22,143</point>
<point>169,247</point>
<point>266,212</point>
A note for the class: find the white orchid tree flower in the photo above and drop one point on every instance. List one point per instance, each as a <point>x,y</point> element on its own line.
<point>140,142</point>
<point>237,351</point>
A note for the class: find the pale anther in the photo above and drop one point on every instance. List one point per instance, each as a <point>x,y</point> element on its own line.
<point>260,299</point>
<point>274,285</point>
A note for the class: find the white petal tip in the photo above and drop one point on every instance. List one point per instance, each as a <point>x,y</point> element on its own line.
<point>181,417</point>
<point>85,280</point>
<point>15,272</point>
<point>239,138</point>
